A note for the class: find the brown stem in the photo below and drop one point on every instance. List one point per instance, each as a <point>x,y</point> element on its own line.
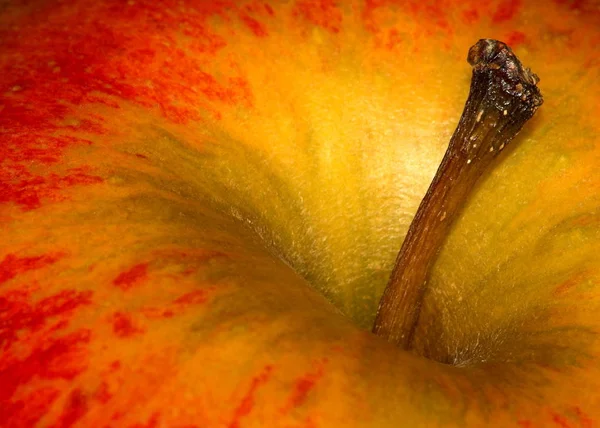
<point>502,98</point>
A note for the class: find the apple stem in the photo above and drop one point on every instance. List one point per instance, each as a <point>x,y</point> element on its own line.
<point>503,96</point>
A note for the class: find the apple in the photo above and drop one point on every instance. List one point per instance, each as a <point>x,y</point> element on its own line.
<point>202,201</point>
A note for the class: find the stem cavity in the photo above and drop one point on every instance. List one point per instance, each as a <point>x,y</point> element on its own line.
<point>503,96</point>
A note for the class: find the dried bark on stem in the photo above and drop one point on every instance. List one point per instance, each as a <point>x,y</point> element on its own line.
<point>503,96</point>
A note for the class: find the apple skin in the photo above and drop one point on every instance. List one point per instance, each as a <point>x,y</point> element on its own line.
<point>201,203</point>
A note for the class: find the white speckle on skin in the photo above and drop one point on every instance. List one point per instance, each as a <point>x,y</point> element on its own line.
<point>491,149</point>
<point>501,146</point>
<point>443,216</point>
<point>505,112</point>
<point>468,161</point>
<point>479,115</point>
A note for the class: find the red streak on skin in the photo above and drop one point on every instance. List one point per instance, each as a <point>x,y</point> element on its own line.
<point>193,298</point>
<point>515,38</point>
<point>195,257</point>
<point>577,4</point>
<point>100,52</point>
<point>302,387</point>
<point>567,285</point>
<point>584,420</point>
<point>506,11</point>
<point>13,265</point>
<point>75,409</point>
<point>394,39</point>
<point>255,26</point>
<point>152,423</point>
<point>178,306</point>
<point>133,276</point>
<point>28,190</point>
<point>52,358</point>
<point>30,133</point>
<point>123,325</point>
<point>42,355</point>
<point>247,403</point>
<point>560,421</point>
<point>435,14</point>
<point>323,13</point>
<point>587,220</point>
<point>17,314</point>
<point>258,8</point>
<point>470,16</point>
<point>49,357</point>
<point>158,313</point>
<point>28,411</point>
<point>103,394</point>
<point>573,4</point>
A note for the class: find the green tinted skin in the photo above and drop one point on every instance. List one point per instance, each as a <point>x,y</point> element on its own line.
<point>502,98</point>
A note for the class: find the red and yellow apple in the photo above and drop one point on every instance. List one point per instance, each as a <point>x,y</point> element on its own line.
<point>201,203</point>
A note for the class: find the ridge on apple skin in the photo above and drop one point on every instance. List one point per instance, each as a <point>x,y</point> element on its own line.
<point>503,97</point>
